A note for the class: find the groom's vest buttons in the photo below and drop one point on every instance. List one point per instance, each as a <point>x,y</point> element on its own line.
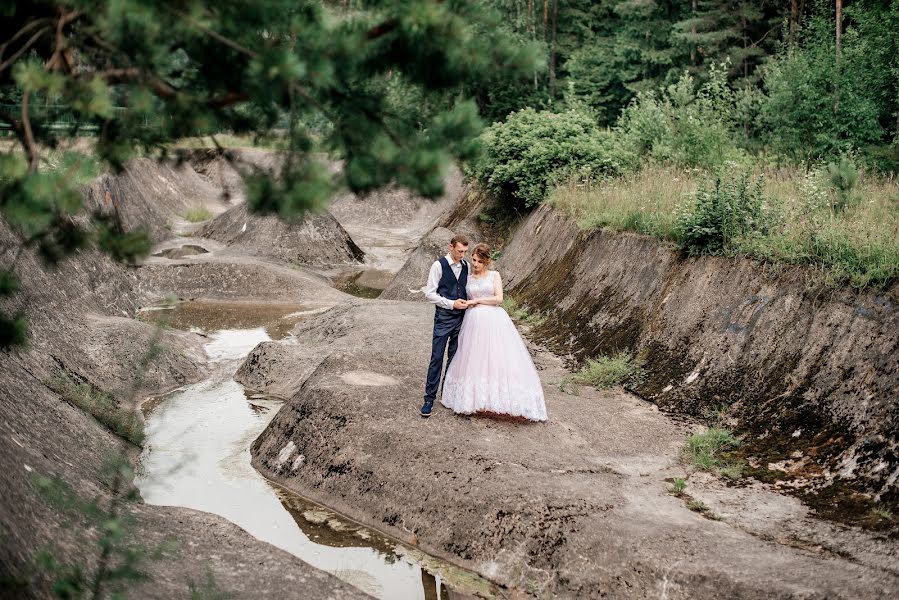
<point>450,287</point>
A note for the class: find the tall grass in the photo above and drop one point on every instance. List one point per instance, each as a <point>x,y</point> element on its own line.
<point>808,221</point>
<point>644,201</point>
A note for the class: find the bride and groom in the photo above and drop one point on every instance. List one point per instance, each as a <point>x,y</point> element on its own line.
<point>489,369</point>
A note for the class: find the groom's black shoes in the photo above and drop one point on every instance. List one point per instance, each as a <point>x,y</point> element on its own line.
<point>426,409</point>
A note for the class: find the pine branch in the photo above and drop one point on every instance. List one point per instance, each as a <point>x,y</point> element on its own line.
<point>12,59</point>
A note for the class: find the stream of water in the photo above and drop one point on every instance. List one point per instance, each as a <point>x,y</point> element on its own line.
<point>197,455</point>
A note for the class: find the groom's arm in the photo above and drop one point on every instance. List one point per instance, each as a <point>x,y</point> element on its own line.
<point>431,288</point>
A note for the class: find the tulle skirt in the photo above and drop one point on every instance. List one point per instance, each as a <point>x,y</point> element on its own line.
<point>492,370</point>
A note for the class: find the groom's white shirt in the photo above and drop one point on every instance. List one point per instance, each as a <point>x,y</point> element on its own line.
<point>434,279</point>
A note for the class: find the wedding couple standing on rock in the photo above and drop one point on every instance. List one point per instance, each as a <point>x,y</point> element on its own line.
<point>488,367</point>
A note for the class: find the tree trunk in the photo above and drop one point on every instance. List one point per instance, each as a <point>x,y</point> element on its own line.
<point>693,33</point>
<point>839,36</point>
<point>745,26</point>
<point>552,53</point>
<point>794,21</point>
<point>530,24</point>
<point>839,27</point>
<point>545,16</point>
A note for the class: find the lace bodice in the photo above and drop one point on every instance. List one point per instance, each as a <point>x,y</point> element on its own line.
<point>480,287</point>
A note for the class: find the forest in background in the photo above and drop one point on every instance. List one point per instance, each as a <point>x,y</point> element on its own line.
<point>809,79</point>
<point>755,129</point>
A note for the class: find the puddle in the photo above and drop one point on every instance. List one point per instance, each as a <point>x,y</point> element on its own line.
<point>206,316</point>
<point>364,284</point>
<point>197,456</point>
<point>181,252</point>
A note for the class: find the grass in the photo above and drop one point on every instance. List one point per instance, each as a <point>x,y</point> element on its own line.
<point>227,140</point>
<point>609,371</point>
<point>707,451</point>
<point>679,485</point>
<point>198,214</point>
<point>856,246</point>
<point>697,505</point>
<point>882,514</point>
<point>101,405</point>
<point>522,313</point>
<point>645,201</point>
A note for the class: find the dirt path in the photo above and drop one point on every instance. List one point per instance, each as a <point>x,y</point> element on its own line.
<point>577,507</point>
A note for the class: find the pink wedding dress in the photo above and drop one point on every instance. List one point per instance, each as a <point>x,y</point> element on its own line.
<point>492,369</point>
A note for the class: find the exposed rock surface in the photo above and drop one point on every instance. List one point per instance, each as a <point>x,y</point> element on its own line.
<point>82,326</point>
<point>314,240</point>
<point>407,283</point>
<point>463,217</point>
<point>577,507</point>
<point>152,194</point>
<point>812,375</point>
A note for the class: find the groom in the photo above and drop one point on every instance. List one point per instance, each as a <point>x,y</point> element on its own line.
<point>445,289</point>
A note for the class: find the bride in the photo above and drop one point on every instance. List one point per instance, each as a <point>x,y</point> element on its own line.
<point>492,370</point>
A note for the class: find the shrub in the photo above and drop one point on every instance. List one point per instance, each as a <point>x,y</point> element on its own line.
<point>532,151</point>
<point>682,125</point>
<point>816,108</point>
<point>722,214</point>
<point>843,176</point>
<point>609,371</point>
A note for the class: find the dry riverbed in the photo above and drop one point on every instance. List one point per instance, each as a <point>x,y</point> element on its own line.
<point>577,507</point>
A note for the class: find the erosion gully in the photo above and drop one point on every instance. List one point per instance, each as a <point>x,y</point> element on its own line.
<point>197,455</point>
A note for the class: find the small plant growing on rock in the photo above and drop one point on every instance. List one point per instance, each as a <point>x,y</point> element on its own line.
<point>679,485</point>
<point>707,451</point>
<point>198,214</point>
<point>882,514</point>
<point>697,505</point>
<point>608,371</point>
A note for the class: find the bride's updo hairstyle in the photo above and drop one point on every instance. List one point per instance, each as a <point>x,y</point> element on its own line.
<point>482,251</point>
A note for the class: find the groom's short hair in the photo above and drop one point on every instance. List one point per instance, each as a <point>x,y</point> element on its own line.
<point>459,239</point>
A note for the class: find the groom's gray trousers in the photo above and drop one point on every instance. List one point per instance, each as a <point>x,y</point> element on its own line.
<point>446,332</point>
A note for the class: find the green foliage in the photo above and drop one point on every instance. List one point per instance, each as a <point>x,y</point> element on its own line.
<point>608,371</point>
<point>520,312</point>
<point>13,328</point>
<point>817,107</point>
<point>722,215</point>
<point>843,177</point>
<point>377,84</point>
<point>683,125</point>
<point>119,559</point>
<point>198,214</point>
<point>103,406</point>
<point>707,451</point>
<point>679,485</point>
<point>531,151</point>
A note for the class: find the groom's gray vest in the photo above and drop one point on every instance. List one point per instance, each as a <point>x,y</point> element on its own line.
<point>450,287</point>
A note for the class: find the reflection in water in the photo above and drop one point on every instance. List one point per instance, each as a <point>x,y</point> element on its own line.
<point>207,316</point>
<point>185,250</point>
<point>197,455</point>
<point>363,284</point>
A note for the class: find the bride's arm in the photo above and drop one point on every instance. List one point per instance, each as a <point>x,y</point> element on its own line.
<point>497,298</point>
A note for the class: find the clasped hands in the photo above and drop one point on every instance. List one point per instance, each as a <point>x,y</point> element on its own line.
<point>463,304</point>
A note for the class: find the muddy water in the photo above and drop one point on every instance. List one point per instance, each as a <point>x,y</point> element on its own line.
<point>197,456</point>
